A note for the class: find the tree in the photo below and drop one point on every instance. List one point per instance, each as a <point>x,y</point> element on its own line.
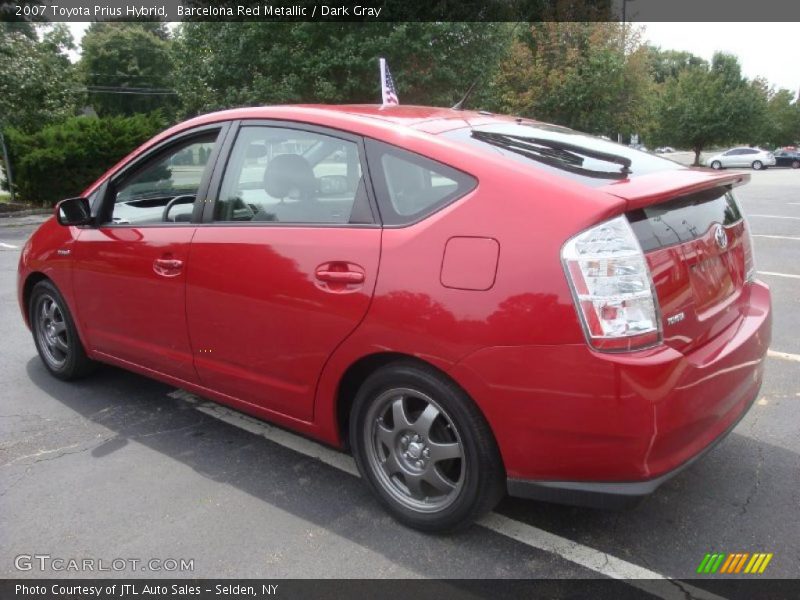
<point>707,105</point>
<point>37,82</point>
<point>781,123</point>
<point>592,76</point>
<point>668,64</point>
<point>127,67</point>
<point>231,64</point>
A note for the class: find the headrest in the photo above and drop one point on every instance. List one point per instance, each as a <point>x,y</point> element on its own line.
<point>290,175</point>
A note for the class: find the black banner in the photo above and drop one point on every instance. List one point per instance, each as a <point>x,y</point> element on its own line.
<point>401,10</point>
<point>734,588</point>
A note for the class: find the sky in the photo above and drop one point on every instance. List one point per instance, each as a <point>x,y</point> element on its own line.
<point>766,50</point>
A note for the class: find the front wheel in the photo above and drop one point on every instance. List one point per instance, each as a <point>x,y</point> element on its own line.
<point>757,165</point>
<point>55,335</point>
<point>796,164</point>
<point>716,165</point>
<point>424,448</point>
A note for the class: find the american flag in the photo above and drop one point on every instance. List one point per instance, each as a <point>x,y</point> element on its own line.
<point>388,91</point>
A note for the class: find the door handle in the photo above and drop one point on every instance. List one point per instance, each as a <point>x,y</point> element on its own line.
<point>340,276</point>
<point>167,267</point>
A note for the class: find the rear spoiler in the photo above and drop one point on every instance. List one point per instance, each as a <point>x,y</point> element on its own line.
<point>654,188</point>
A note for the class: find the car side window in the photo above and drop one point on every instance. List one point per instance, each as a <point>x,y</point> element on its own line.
<point>409,186</point>
<point>172,176</point>
<point>293,176</point>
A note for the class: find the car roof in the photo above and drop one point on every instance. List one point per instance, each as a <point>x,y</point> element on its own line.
<point>428,119</point>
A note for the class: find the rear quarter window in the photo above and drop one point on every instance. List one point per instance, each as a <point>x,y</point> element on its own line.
<point>410,187</point>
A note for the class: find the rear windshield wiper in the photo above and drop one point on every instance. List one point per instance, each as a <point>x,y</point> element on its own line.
<point>560,155</point>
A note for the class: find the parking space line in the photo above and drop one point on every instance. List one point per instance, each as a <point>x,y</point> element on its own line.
<point>776,237</point>
<point>774,217</point>
<point>9,246</point>
<point>775,274</point>
<point>585,556</point>
<point>783,355</point>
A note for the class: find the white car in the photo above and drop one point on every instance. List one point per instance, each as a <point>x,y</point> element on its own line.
<point>742,157</point>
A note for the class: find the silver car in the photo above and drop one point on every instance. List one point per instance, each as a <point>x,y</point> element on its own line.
<point>742,157</point>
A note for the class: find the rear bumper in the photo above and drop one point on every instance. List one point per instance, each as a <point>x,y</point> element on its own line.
<point>583,427</point>
<point>611,495</point>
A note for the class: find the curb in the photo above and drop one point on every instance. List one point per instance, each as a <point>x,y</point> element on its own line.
<point>26,213</point>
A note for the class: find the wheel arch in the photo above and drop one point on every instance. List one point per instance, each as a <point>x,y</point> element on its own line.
<point>358,371</point>
<point>31,280</point>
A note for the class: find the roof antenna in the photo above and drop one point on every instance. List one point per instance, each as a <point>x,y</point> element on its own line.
<point>460,104</point>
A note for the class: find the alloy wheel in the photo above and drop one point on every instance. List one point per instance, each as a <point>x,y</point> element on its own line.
<point>51,331</point>
<point>414,449</point>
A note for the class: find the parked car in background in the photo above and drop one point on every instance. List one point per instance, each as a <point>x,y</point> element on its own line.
<point>755,158</point>
<point>787,158</point>
<point>472,305</point>
<point>665,150</point>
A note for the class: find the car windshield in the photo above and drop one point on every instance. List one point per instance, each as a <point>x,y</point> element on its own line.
<point>585,158</point>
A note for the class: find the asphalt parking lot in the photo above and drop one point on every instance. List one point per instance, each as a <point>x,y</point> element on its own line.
<point>121,466</point>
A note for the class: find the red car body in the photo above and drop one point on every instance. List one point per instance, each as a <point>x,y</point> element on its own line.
<point>477,290</point>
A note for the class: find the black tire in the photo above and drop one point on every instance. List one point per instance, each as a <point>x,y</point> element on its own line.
<point>796,164</point>
<point>757,165</point>
<point>477,474</point>
<point>55,335</point>
<point>716,165</point>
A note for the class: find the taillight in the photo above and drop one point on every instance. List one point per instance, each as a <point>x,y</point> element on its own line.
<point>612,287</point>
<point>747,241</point>
<point>749,256</point>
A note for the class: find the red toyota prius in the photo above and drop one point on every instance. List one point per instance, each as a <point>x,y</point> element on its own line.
<point>472,304</point>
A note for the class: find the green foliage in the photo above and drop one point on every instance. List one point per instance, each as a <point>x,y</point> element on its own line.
<point>590,76</point>
<point>709,105</point>
<point>232,64</point>
<point>61,160</point>
<point>136,56</point>
<point>37,82</point>
<point>781,123</point>
<point>668,64</point>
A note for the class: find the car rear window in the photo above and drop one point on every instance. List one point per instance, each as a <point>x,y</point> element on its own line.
<point>584,158</point>
<point>683,219</point>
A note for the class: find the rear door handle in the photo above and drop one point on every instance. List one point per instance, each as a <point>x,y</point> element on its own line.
<point>340,276</point>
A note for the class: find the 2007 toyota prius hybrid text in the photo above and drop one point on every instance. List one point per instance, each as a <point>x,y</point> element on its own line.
<point>472,304</point>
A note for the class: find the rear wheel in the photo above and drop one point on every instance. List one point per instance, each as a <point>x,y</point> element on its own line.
<point>758,165</point>
<point>796,164</point>
<point>424,448</point>
<point>55,335</point>
<point>716,165</point>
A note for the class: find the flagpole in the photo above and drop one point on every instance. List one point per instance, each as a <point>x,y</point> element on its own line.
<point>383,81</point>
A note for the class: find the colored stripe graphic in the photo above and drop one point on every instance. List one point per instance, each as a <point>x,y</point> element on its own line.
<point>703,563</point>
<point>741,562</point>
<point>765,563</point>
<point>734,563</point>
<point>727,564</point>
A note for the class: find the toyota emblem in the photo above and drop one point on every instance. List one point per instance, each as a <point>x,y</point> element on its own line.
<point>721,237</point>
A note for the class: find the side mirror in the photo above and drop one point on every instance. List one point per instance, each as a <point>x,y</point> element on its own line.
<point>74,211</point>
<point>332,185</point>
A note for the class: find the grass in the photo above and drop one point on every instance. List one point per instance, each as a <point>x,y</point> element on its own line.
<point>5,197</point>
